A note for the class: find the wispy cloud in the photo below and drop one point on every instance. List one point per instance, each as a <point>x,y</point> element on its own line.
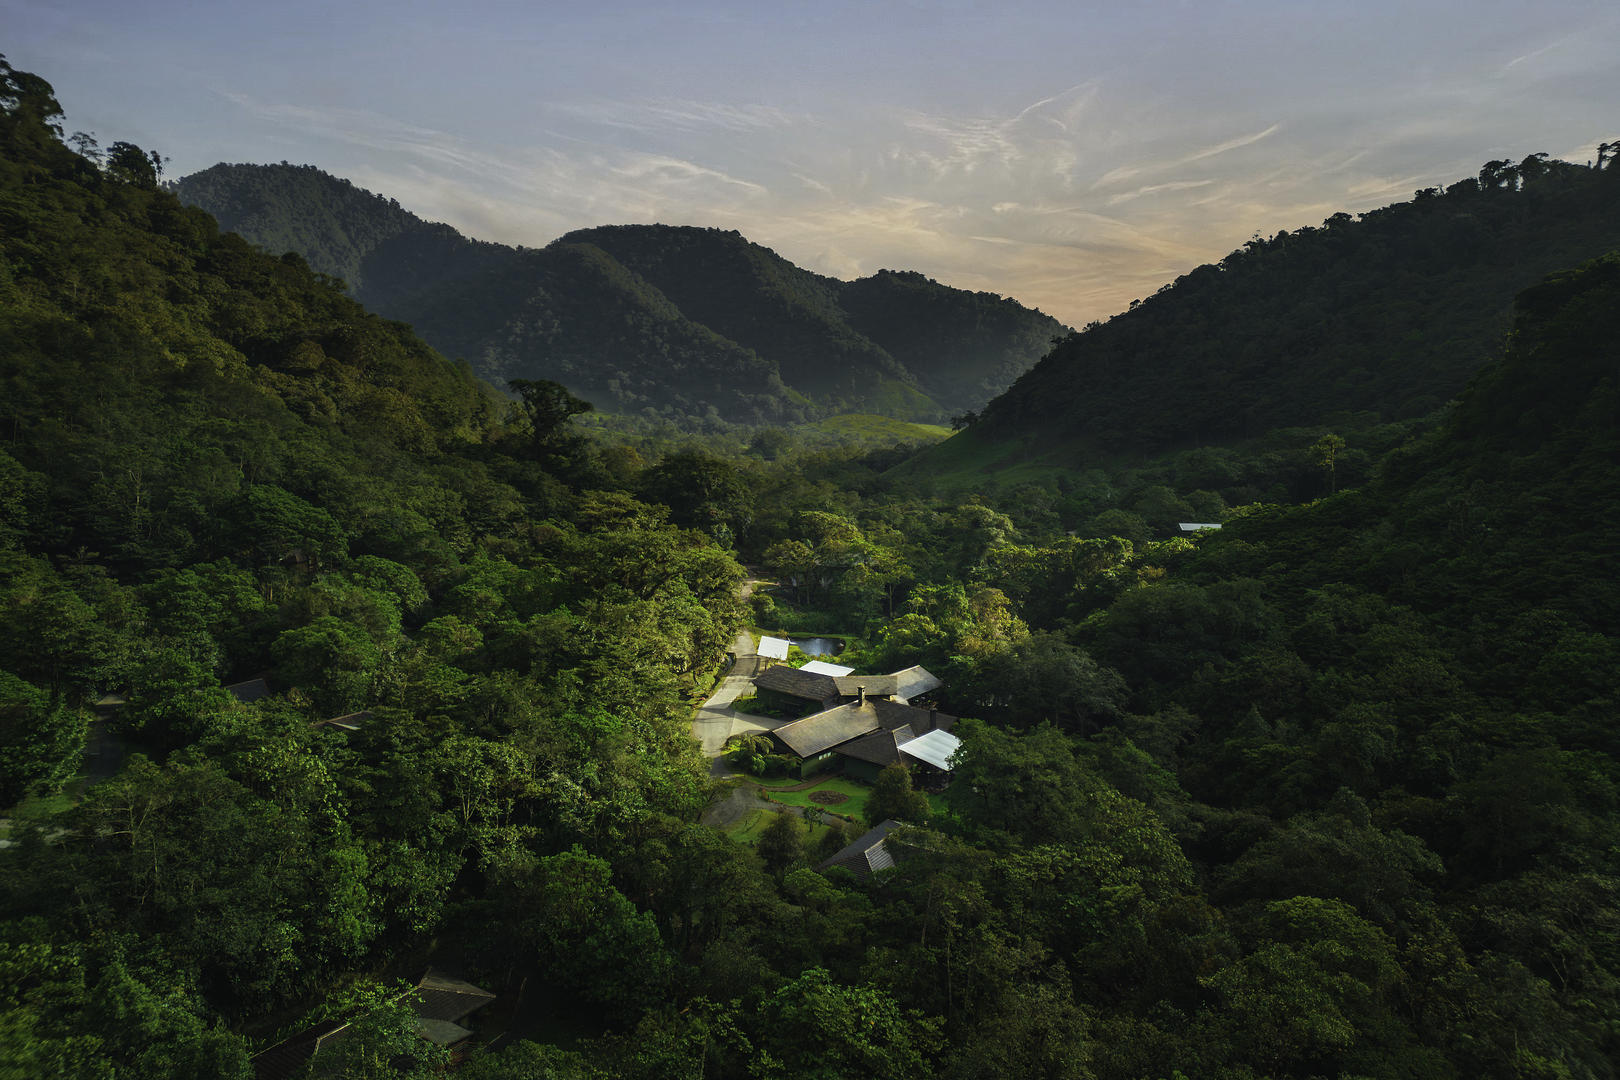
<point>665,115</point>
<point>1532,55</point>
<point>1230,144</point>
<point>1130,171</point>
<point>1154,189</point>
<point>659,169</point>
<point>375,131</point>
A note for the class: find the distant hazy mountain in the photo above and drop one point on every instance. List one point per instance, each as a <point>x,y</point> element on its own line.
<point>682,321</point>
<point>1356,322</point>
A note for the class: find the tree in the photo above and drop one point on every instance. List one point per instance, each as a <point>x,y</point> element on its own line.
<point>383,1042</point>
<point>280,526</point>
<point>41,740</point>
<point>892,797</point>
<point>782,843</point>
<point>1324,454</point>
<point>333,660</point>
<point>548,407</point>
<point>526,1060</point>
<point>265,896</point>
<point>1044,678</point>
<point>1337,854</point>
<point>826,1031</point>
<point>174,700</point>
<point>83,1011</point>
<point>1318,984</point>
<point>702,492</point>
<point>1497,174</point>
<point>132,165</point>
<point>590,938</point>
<point>28,109</point>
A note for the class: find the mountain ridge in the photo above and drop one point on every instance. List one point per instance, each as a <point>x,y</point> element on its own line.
<point>1354,323</point>
<point>826,346</point>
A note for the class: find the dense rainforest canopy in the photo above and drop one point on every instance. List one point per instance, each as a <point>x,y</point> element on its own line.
<point>1331,792</point>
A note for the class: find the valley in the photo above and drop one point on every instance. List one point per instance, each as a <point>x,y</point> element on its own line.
<point>454,738</point>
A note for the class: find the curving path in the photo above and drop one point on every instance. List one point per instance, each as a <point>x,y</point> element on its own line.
<point>715,720</point>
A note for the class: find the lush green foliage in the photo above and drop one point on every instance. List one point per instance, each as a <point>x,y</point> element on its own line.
<point>215,465</point>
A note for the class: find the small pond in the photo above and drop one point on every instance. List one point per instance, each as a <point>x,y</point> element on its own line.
<point>818,646</point>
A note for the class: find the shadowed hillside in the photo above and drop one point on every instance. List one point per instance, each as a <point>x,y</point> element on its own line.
<point>687,322</point>
<point>1387,316</point>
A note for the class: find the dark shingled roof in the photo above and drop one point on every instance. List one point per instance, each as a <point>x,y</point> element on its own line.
<point>252,690</point>
<point>880,747</point>
<point>892,715</point>
<point>439,997</point>
<point>825,730</point>
<point>876,685</point>
<point>832,728</point>
<point>899,725</point>
<point>909,683</point>
<point>867,854</point>
<point>287,1057</point>
<point>438,1000</point>
<point>805,684</point>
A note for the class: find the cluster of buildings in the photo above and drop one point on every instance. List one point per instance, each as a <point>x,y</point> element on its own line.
<point>861,722</point>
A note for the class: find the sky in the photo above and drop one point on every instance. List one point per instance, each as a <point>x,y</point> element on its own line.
<point>1074,156</point>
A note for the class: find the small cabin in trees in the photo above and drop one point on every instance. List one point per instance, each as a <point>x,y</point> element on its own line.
<point>250,691</point>
<point>440,1002</point>
<point>874,851</point>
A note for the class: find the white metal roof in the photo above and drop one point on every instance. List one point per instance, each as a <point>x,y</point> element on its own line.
<point>773,648</point>
<point>1195,526</point>
<point>914,681</point>
<point>934,747</point>
<point>821,667</point>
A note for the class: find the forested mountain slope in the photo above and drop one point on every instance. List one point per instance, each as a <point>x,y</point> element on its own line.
<point>214,466</point>
<point>758,299</point>
<point>382,252</point>
<point>676,320</point>
<point>1386,316</point>
<point>605,333</point>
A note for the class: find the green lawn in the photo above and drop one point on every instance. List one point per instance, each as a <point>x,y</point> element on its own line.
<point>44,807</point>
<point>853,807</point>
<point>748,830</point>
<point>966,462</point>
